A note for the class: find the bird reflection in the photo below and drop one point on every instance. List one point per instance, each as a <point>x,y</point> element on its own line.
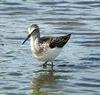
<point>46,77</point>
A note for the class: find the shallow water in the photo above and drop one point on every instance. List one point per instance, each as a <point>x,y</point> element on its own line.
<point>76,70</point>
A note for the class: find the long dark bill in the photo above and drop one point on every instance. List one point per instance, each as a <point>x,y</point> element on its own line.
<point>26,38</point>
<point>29,36</point>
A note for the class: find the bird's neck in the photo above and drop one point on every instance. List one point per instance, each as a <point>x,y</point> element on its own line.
<point>35,45</point>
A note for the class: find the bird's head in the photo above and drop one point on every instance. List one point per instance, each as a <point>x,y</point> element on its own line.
<point>32,30</point>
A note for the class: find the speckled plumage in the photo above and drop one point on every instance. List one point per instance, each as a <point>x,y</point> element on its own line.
<point>55,41</point>
<point>45,48</point>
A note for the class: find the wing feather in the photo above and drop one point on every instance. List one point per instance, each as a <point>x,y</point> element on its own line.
<point>55,41</point>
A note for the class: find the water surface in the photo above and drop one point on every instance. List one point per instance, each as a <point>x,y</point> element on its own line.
<point>76,70</point>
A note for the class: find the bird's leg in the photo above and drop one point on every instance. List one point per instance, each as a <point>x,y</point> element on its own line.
<point>52,65</point>
<point>45,64</point>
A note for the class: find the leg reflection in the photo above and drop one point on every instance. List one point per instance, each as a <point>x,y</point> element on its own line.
<point>44,78</point>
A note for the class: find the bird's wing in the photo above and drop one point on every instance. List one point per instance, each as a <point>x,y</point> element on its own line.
<point>55,41</point>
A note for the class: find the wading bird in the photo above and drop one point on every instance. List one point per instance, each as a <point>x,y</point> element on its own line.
<point>45,49</point>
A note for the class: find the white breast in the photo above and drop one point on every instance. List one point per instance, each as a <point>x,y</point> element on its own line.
<point>49,55</point>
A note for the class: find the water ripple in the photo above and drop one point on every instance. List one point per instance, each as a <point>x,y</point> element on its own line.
<point>53,3</point>
<point>91,59</point>
<point>87,2</point>
<point>91,80</point>
<point>88,85</point>
<point>75,71</point>
<point>10,3</point>
<point>15,74</point>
